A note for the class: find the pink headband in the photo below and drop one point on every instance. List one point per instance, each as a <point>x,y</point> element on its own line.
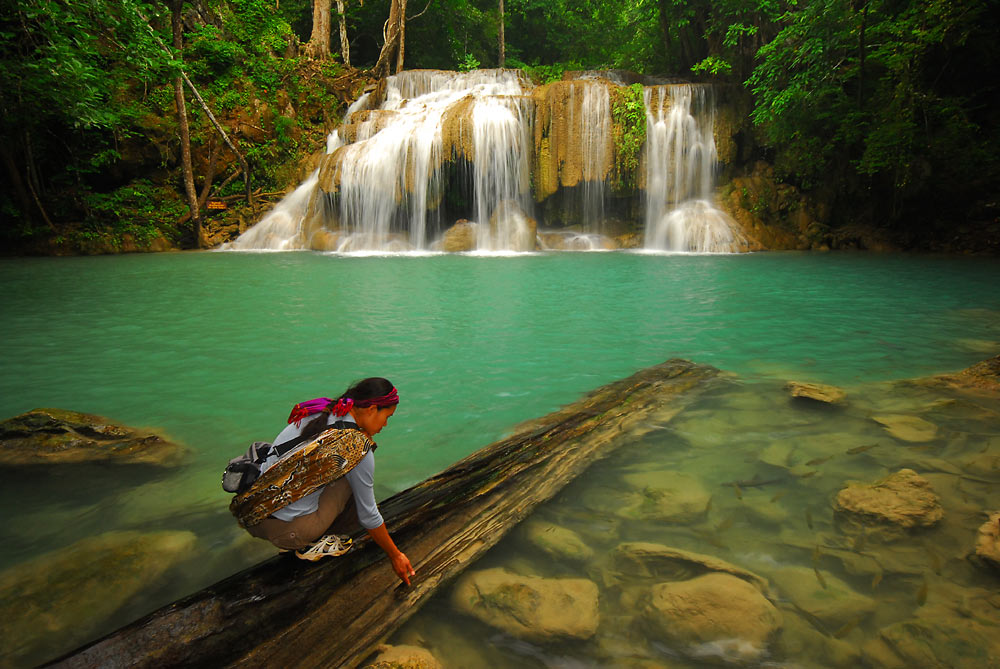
<point>344,404</point>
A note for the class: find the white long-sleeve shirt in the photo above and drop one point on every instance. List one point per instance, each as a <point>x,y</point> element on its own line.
<point>361,480</point>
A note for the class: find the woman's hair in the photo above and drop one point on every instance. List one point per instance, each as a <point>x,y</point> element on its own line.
<point>359,391</point>
<point>367,389</point>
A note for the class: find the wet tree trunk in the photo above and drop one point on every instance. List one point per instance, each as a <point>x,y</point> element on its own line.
<point>286,612</point>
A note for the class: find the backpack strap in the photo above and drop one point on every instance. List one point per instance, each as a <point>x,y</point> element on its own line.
<point>284,447</point>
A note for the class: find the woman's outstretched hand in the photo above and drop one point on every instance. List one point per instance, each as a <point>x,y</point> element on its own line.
<point>400,563</point>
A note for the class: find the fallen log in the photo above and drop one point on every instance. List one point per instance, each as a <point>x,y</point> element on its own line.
<point>287,612</point>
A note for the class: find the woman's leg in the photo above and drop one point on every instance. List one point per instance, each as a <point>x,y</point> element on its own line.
<point>302,531</point>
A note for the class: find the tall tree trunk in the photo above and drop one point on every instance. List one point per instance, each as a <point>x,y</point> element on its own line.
<point>319,41</point>
<point>503,44</point>
<point>391,50</point>
<point>402,36</point>
<point>189,190</point>
<point>345,46</point>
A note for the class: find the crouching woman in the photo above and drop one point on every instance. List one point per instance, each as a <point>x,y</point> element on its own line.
<point>302,492</point>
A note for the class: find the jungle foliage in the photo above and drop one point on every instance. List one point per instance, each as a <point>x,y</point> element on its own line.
<point>888,106</point>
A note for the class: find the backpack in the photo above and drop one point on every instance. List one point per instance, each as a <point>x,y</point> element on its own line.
<point>243,470</point>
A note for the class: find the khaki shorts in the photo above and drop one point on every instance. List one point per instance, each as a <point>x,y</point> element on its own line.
<point>300,532</point>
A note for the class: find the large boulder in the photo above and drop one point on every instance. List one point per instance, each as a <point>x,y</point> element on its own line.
<point>830,600</point>
<point>58,436</point>
<point>904,499</point>
<point>61,599</point>
<point>527,606</point>
<point>712,614</point>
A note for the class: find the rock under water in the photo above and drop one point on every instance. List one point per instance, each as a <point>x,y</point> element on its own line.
<point>59,436</point>
<point>59,600</point>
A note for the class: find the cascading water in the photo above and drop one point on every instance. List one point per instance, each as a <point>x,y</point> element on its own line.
<point>680,173</point>
<point>444,148</point>
<point>500,175</point>
<point>594,128</point>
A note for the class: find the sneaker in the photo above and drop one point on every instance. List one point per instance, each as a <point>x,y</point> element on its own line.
<point>330,545</point>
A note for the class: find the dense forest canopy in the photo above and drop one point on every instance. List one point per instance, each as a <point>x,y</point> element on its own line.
<point>889,107</point>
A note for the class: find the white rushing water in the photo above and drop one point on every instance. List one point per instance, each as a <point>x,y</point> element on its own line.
<point>680,173</point>
<point>385,182</point>
<point>594,129</point>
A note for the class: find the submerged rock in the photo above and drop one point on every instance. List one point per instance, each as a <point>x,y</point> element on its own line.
<point>907,428</point>
<point>558,542</point>
<point>404,657</point>
<point>529,607</point>
<point>830,600</point>
<point>658,561</point>
<point>58,436</point>
<point>955,643</point>
<point>713,614</point>
<point>63,598</point>
<point>668,496</point>
<point>817,392</point>
<point>904,499</point>
<point>984,375</point>
<point>988,542</point>
<point>801,640</point>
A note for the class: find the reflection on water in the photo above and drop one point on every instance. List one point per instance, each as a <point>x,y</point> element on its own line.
<point>743,485</point>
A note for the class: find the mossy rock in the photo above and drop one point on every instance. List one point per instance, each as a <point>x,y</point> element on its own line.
<point>58,436</point>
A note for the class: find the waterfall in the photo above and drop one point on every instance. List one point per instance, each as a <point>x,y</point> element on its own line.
<point>500,176</point>
<point>680,172</point>
<point>594,127</point>
<point>454,161</point>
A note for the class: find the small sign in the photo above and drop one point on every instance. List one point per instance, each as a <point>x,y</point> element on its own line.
<point>217,205</point>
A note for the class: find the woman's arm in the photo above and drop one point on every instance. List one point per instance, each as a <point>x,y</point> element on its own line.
<point>362,479</point>
<point>400,563</point>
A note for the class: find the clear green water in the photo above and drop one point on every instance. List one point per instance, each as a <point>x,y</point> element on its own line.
<point>214,349</point>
